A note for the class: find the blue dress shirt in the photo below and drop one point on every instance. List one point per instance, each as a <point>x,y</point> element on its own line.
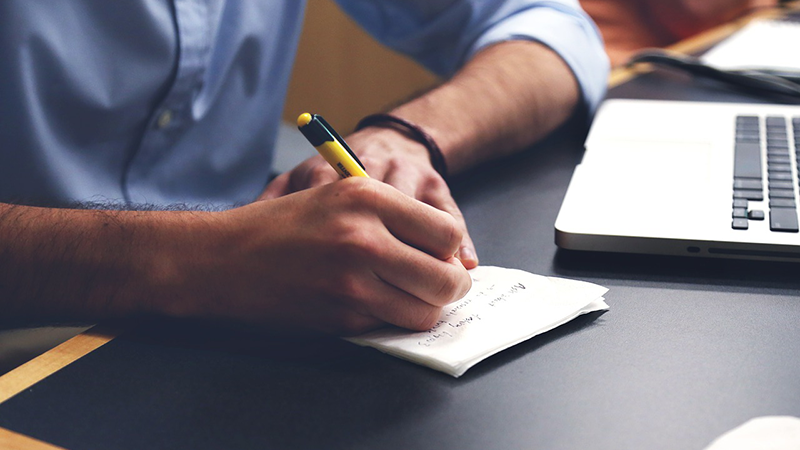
<point>162,102</point>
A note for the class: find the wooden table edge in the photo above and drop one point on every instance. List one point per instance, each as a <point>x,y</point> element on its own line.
<point>50,362</point>
<point>10,440</point>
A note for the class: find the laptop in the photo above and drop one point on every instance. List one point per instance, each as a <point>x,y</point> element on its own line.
<point>687,178</point>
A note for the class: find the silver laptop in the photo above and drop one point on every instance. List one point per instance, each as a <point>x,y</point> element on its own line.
<point>686,178</point>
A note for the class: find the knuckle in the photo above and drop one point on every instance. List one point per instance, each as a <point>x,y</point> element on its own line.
<point>453,231</point>
<point>348,288</point>
<point>449,288</point>
<point>371,162</point>
<point>361,191</point>
<point>319,175</point>
<point>437,183</point>
<point>358,244</point>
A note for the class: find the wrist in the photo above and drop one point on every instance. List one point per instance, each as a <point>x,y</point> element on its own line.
<point>386,141</point>
<point>180,269</point>
<point>411,131</point>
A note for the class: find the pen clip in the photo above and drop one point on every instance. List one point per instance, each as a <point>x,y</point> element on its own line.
<point>339,138</point>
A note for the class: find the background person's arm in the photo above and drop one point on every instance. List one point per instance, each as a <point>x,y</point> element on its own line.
<point>684,18</point>
<point>382,258</point>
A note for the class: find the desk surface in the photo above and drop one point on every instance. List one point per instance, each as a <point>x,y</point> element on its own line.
<point>690,348</point>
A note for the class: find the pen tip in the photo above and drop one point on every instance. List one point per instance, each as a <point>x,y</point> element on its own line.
<point>304,119</point>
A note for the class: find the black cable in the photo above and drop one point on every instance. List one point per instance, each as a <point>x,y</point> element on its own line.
<point>752,81</point>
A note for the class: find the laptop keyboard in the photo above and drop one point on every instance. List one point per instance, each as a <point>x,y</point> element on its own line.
<point>779,137</point>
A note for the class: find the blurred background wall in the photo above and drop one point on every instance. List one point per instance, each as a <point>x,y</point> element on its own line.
<point>344,74</point>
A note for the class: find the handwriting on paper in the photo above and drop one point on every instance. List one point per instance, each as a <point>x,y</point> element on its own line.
<point>455,320</point>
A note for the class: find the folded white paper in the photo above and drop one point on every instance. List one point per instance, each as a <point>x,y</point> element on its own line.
<point>503,308</point>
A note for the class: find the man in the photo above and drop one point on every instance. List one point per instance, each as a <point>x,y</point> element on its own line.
<point>162,103</point>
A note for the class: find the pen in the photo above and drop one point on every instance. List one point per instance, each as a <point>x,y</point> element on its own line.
<point>330,145</point>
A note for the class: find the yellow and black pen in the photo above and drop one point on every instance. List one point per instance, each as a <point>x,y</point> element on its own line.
<point>330,145</point>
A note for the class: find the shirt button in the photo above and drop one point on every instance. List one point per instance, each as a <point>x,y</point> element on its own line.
<point>164,119</point>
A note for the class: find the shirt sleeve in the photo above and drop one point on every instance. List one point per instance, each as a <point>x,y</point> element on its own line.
<point>443,34</point>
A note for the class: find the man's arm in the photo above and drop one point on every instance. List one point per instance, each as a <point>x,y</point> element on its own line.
<point>528,64</point>
<point>382,258</point>
<point>507,97</point>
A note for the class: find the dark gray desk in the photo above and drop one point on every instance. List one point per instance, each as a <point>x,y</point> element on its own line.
<point>691,348</point>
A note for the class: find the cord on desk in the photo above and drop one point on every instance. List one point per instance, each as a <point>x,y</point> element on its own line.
<point>753,81</point>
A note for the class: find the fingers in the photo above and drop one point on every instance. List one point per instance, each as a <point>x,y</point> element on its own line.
<point>418,224</point>
<point>433,190</point>
<point>277,188</point>
<point>426,278</point>
<point>439,197</point>
<point>397,307</point>
<point>310,173</point>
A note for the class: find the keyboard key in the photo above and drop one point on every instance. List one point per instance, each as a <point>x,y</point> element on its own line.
<point>747,161</point>
<point>739,213</point>
<point>771,168</point>
<point>755,214</point>
<point>780,176</point>
<point>755,139</point>
<point>740,224</point>
<point>775,144</point>
<point>778,159</point>
<point>775,120</point>
<point>749,194</point>
<point>783,219</point>
<point>752,128</point>
<point>747,183</point>
<point>747,120</point>
<point>782,203</point>
<point>778,151</point>
<point>781,185</point>
<point>781,193</point>
<point>740,203</point>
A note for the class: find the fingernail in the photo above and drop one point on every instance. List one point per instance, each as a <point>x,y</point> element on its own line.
<point>468,255</point>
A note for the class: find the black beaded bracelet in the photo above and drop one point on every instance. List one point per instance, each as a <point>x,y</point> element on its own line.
<point>415,132</point>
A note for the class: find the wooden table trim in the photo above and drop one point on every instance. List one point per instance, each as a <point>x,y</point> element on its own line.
<point>41,367</point>
<point>10,440</point>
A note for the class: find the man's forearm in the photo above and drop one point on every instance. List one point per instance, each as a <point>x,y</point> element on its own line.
<point>507,97</point>
<point>85,264</point>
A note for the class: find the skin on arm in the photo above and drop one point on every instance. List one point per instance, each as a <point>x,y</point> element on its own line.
<point>507,97</point>
<point>342,258</point>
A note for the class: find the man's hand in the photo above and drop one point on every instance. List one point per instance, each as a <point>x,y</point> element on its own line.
<point>390,157</point>
<point>342,258</point>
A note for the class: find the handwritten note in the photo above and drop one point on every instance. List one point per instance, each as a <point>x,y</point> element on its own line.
<point>503,308</point>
